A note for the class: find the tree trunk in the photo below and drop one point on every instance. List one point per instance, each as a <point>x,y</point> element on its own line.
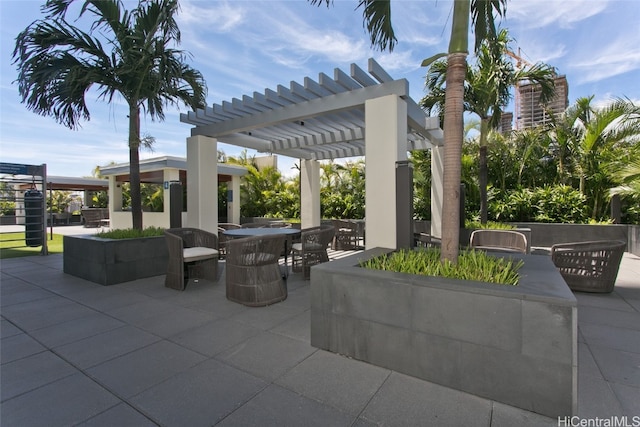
<point>453,135</point>
<point>482,173</point>
<point>134,166</point>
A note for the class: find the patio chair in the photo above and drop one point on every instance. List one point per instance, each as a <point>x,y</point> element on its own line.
<point>254,225</point>
<point>92,217</point>
<point>278,224</point>
<point>346,235</point>
<point>426,240</point>
<point>312,248</point>
<point>252,271</point>
<point>589,266</point>
<point>193,253</point>
<point>223,238</point>
<point>498,240</point>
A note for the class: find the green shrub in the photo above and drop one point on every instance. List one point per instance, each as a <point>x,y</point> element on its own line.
<point>472,265</point>
<point>492,225</point>
<point>559,204</point>
<point>131,233</point>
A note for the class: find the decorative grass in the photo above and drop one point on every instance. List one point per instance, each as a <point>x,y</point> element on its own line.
<point>472,265</point>
<point>131,233</point>
<point>493,225</point>
<point>9,241</point>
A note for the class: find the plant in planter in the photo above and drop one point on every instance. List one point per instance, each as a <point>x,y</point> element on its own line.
<point>512,344</point>
<point>116,256</point>
<point>472,265</point>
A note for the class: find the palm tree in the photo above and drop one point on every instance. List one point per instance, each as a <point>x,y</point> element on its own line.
<point>58,64</point>
<point>593,142</point>
<point>487,92</point>
<point>377,20</point>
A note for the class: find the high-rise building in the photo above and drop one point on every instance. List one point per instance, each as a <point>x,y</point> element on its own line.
<point>506,122</point>
<point>529,111</point>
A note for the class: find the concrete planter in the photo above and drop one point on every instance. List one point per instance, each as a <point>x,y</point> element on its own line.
<point>512,344</point>
<point>112,261</point>
<point>7,219</point>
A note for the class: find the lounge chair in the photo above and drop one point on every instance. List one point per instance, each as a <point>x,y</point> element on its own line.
<point>193,249</point>
<point>498,240</point>
<point>252,271</point>
<point>589,266</point>
<point>223,238</point>
<point>312,248</point>
<point>346,235</point>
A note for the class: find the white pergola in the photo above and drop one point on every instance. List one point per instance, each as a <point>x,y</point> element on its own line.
<point>357,114</point>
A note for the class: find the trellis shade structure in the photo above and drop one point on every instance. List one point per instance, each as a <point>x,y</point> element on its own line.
<point>363,113</point>
<point>317,120</point>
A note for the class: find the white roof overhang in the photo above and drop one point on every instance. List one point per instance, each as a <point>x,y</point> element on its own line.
<point>314,120</point>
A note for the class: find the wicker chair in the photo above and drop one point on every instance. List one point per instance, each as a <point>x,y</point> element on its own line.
<point>194,248</point>
<point>222,238</point>
<point>346,235</point>
<point>312,248</point>
<point>253,273</point>
<point>589,266</point>
<point>498,240</point>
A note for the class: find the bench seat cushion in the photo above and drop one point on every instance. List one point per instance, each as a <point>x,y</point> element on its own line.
<point>199,253</point>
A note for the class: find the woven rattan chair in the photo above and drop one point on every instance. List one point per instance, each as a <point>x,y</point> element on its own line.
<point>191,251</point>
<point>589,266</point>
<point>253,273</point>
<point>223,238</point>
<point>312,248</point>
<point>498,240</point>
<point>346,235</point>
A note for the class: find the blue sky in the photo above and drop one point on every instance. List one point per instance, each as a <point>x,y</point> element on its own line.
<point>246,46</point>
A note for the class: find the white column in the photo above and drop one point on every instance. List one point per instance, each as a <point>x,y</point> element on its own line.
<point>202,183</point>
<point>115,194</point>
<point>437,169</point>
<point>385,144</point>
<point>309,193</point>
<point>233,207</point>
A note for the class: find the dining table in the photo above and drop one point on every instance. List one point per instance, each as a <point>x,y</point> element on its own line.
<point>252,231</point>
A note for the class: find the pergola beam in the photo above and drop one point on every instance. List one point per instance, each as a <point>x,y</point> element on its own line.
<point>300,111</point>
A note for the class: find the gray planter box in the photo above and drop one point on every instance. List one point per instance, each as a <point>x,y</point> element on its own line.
<point>512,344</point>
<point>7,219</point>
<point>112,261</point>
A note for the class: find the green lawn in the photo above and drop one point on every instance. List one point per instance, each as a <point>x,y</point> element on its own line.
<point>7,249</point>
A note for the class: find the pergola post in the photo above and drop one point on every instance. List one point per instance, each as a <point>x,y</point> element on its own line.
<point>233,205</point>
<point>437,196</point>
<point>385,144</point>
<point>114,195</point>
<point>168,175</point>
<point>202,183</point>
<point>309,193</point>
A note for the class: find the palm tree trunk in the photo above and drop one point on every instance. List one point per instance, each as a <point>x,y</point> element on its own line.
<point>134,165</point>
<point>453,135</point>
<point>482,173</point>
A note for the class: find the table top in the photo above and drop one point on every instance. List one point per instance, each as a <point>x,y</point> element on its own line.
<point>247,232</point>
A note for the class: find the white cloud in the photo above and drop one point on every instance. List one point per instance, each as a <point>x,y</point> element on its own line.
<point>617,57</point>
<point>217,17</point>
<point>563,14</point>
<point>397,61</point>
<point>298,39</point>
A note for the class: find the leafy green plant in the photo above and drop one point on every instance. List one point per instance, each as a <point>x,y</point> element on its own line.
<point>493,225</point>
<point>560,203</point>
<point>472,265</point>
<point>131,233</point>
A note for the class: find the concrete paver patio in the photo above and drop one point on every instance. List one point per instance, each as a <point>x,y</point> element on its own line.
<point>77,353</point>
